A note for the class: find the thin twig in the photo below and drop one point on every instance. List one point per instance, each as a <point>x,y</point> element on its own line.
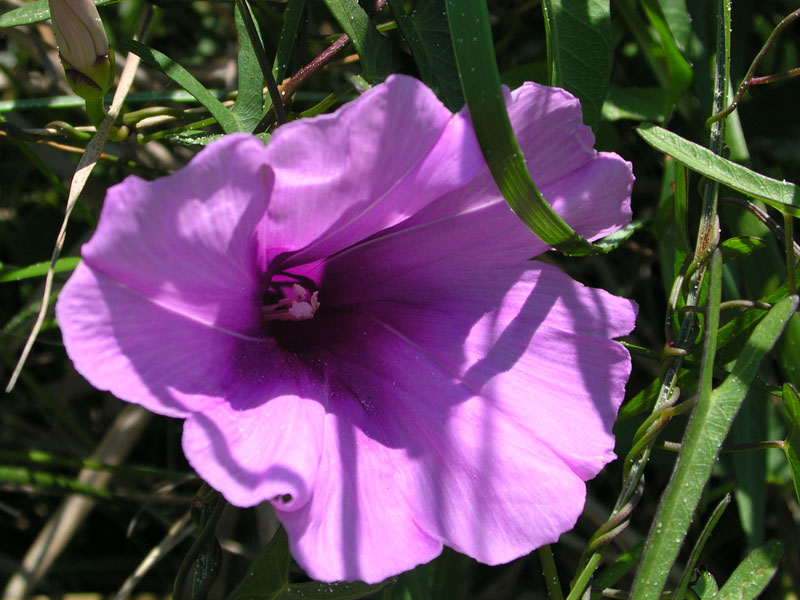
<point>749,80</point>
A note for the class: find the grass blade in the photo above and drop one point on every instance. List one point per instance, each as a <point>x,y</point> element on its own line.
<point>186,80</point>
<point>480,80</point>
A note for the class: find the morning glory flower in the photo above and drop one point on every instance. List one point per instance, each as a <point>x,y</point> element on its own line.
<point>350,324</point>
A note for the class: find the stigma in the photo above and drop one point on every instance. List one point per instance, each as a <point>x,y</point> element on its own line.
<point>299,305</point>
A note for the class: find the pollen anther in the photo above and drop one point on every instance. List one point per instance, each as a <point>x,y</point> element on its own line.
<point>300,308</point>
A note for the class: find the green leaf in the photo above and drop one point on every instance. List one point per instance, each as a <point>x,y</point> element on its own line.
<point>636,104</point>
<point>249,106</point>
<point>791,409</point>
<point>376,52</point>
<point>679,21</point>
<point>705,433</point>
<point>35,12</point>
<point>624,563</point>
<point>783,195</point>
<point>268,575</point>
<point>679,71</point>
<point>7,273</point>
<point>480,81</point>
<point>290,33</point>
<point>314,590</point>
<point>705,586</point>
<point>580,51</point>
<point>694,557</point>
<point>426,33</point>
<point>736,247</point>
<point>186,80</point>
<point>753,573</point>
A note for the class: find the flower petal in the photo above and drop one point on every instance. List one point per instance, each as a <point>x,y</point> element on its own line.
<point>189,241</point>
<point>368,166</point>
<point>504,346</point>
<point>262,441</point>
<point>590,190</point>
<point>358,525</point>
<point>250,431</point>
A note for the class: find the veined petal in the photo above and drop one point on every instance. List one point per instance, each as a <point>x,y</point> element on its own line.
<point>263,441</point>
<point>358,525</point>
<point>329,166</point>
<point>250,429</point>
<point>532,343</point>
<point>190,241</point>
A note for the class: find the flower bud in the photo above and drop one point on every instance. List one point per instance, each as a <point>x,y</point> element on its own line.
<point>82,47</point>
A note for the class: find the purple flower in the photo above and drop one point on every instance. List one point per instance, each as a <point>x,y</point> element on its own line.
<point>350,324</point>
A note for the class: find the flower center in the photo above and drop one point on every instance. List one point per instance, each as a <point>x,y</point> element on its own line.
<point>298,304</point>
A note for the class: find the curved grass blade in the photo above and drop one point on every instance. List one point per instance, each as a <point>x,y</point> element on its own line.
<point>480,80</point>
<point>705,433</point>
<point>34,12</point>
<point>579,49</point>
<point>753,574</point>
<point>186,80</point>
<point>783,195</point>
<point>68,263</point>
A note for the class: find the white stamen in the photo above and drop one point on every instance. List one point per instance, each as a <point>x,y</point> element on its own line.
<point>299,308</point>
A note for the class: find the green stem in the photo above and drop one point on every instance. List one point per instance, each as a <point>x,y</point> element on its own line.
<point>550,573</point>
<point>96,111</point>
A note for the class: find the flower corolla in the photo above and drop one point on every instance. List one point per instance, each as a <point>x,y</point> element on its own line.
<point>350,324</point>
<point>82,47</point>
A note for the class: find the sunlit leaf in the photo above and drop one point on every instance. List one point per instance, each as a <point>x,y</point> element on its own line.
<point>67,263</point>
<point>753,573</point>
<point>186,80</point>
<point>783,195</point>
<point>580,51</point>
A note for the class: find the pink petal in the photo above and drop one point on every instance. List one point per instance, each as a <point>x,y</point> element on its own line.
<point>250,430</point>
<point>368,166</point>
<point>262,441</point>
<point>590,190</point>
<point>188,241</point>
<point>489,358</point>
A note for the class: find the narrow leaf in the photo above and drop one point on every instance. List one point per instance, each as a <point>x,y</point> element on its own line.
<point>480,81</point>
<point>679,71</point>
<point>783,195</point>
<point>580,50</point>
<point>290,32</point>
<point>186,80</point>
<point>707,429</point>
<point>249,106</point>
<point>375,51</point>
<point>753,574</point>
<point>34,12</point>
<point>268,575</point>
<point>426,33</point>
<point>636,104</point>
<point>791,409</point>
<point>68,263</point>
<point>694,557</point>
<point>736,247</point>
